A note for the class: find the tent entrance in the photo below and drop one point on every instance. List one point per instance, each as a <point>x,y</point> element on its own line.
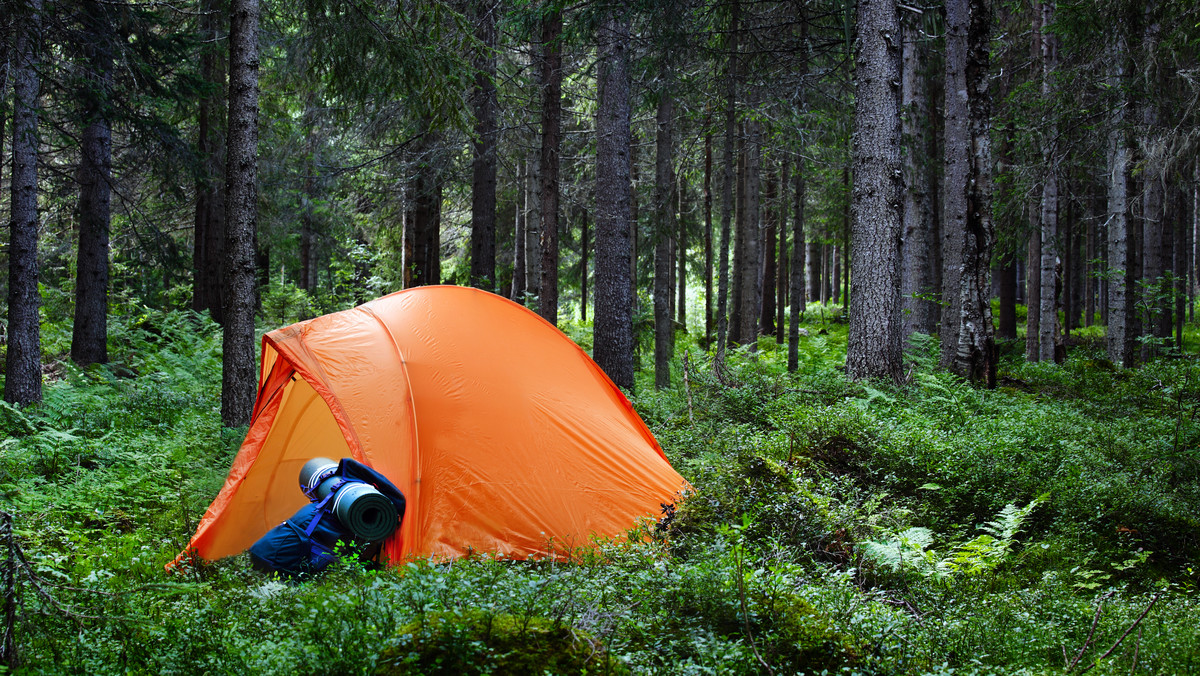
<point>303,428</point>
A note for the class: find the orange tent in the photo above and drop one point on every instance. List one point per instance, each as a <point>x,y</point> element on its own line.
<point>504,436</point>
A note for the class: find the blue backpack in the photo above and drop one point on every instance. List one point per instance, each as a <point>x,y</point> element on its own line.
<point>314,537</point>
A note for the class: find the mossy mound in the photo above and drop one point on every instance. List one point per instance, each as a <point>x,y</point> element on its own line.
<point>803,640</point>
<point>478,643</point>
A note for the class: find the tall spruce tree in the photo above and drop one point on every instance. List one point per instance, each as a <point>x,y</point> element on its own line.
<point>874,344</point>
<point>612,331</point>
<point>239,375</point>
<point>89,340</point>
<point>23,360</point>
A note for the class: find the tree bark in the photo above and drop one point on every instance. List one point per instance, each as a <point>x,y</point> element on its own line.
<point>89,340</point>
<point>4,80</point>
<point>798,301</point>
<point>709,309</point>
<point>873,348</point>
<point>23,361</point>
<point>1048,329</point>
<point>664,228</point>
<point>308,220</point>
<point>613,328</point>
<point>975,356</point>
<point>727,183</point>
<point>784,277</point>
<point>751,259</point>
<point>1089,270</point>
<point>1033,288</point>
<point>917,276</point>
<point>738,290</point>
<point>1007,328</point>
<point>956,172</point>
<point>1156,237</point>
<point>827,258</point>
<point>425,212</point>
<point>584,245</point>
<point>483,163</point>
<point>815,268</point>
<point>208,255</point>
<point>770,272</point>
<point>522,207</point>
<point>238,363</point>
<point>551,141</point>
<point>533,231</point>
<point>1179,261</point>
<point>634,235</point>
<point>1120,274</point>
<point>681,249</point>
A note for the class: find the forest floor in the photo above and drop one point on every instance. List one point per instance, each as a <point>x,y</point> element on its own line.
<point>1049,526</point>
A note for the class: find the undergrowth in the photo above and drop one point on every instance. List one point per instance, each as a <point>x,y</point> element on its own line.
<point>1047,526</point>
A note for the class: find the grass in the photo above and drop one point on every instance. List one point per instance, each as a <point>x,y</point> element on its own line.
<point>818,539</point>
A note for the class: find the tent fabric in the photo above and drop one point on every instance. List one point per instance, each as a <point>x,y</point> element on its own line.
<point>503,434</point>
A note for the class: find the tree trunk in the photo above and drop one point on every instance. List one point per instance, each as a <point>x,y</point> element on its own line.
<point>533,232</point>
<point>308,220</point>
<point>1068,258</point>
<point>835,288</point>
<point>957,163</point>
<point>262,271</point>
<point>1156,238</point>
<point>1008,300</point>
<point>239,375</point>
<point>815,258</point>
<point>424,215</point>
<point>783,280</point>
<point>798,301</point>
<point>751,259</point>
<point>681,248</point>
<point>1089,270</point>
<point>89,340</point>
<point>551,140</point>
<point>709,318</point>
<point>1033,288</point>
<point>23,361</point>
<point>739,251</point>
<point>766,319</point>
<point>209,236</point>
<point>1179,260</point>
<point>1120,335</point>
<point>613,328</point>
<point>408,240</point>
<point>634,228</point>
<point>727,180</point>
<point>4,79</point>
<point>1048,330</point>
<point>873,348</point>
<point>842,278</point>
<point>975,356</point>
<point>664,227</point>
<point>917,278</point>
<point>522,207</point>
<point>1194,277</point>
<point>483,163</point>
<point>826,260</point>
<point>583,266</point>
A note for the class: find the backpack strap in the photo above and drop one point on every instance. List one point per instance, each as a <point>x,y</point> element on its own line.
<point>320,555</point>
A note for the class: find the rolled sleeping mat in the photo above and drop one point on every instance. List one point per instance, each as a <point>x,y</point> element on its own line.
<point>362,509</point>
<point>313,473</point>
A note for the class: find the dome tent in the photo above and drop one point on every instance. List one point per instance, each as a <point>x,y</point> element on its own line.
<point>503,434</point>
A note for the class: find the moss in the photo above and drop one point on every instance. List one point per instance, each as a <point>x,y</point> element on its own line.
<point>476,643</point>
<point>799,638</point>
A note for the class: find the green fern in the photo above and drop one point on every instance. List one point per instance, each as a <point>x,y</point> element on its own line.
<point>909,550</point>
